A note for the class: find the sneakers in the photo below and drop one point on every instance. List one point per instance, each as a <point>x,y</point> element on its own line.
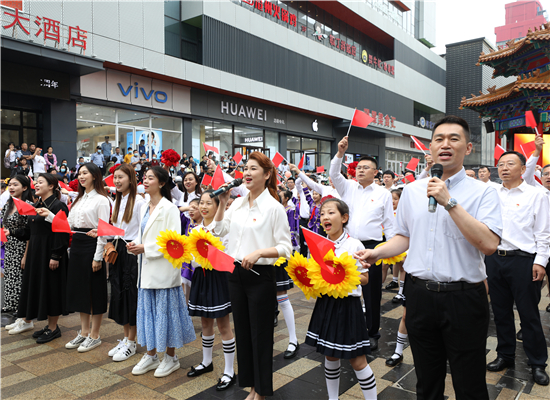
<point>146,363</point>
<point>398,298</point>
<point>11,326</point>
<point>126,351</point>
<point>167,366</point>
<point>119,346</point>
<point>76,342</point>
<point>48,335</point>
<point>89,344</point>
<point>21,327</point>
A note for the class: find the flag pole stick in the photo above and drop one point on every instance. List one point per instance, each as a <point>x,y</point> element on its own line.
<point>350,122</point>
<point>251,270</point>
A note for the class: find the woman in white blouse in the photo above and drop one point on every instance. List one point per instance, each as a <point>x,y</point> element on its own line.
<point>259,234</point>
<point>86,277</point>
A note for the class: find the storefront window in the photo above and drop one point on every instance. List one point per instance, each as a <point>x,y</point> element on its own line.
<point>272,142</point>
<point>218,135</point>
<point>249,136</point>
<point>92,134</point>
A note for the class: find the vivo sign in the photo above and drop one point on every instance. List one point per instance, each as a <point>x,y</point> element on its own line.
<point>160,97</point>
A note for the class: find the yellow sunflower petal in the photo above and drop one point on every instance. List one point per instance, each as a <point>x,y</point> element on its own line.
<point>340,283</point>
<point>298,270</point>
<point>280,261</point>
<point>197,245</point>
<point>390,260</point>
<point>174,247</point>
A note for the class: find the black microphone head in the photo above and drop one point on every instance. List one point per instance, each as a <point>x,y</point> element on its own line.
<point>437,170</point>
<point>238,182</point>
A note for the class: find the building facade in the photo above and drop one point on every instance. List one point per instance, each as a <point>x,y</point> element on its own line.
<point>239,75</point>
<point>520,17</point>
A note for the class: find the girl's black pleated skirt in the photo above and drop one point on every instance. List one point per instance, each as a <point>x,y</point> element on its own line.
<point>209,295</point>
<point>124,293</point>
<point>283,280</point>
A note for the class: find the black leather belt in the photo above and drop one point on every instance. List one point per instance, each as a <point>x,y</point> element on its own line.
<point>434,286</point>
<point>511,253</point>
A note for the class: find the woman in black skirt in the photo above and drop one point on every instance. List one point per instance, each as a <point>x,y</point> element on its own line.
<point>44,289</point>
<point>87,279</point>
<point>337,328</point>
<point>209,299</point>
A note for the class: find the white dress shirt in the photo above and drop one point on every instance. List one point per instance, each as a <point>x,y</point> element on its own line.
<point>437,248</point>
<point>370,207</point>
<point>323,190</point>
<point>305,211</point>
<point>525,221</point>
<point>529,175</point>
<point>261,226</point>
<point>132,228</point>
<point>347,244</point>
<point>39,165</point>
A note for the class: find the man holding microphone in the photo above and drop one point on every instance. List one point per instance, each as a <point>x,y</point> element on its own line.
<point>447,306</point>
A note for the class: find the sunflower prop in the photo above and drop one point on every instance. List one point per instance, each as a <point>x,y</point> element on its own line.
<point>342,281</point>
<point>391,260</point>
<point>197,241</point>
<point>174,247</point>
<point>297,269</point>
<point>280,261</point>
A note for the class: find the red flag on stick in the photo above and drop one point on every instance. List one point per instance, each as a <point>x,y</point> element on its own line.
<point>238,174</point>
<point>301,163</point>
<point>419,145</point>
<point>361,119</point>
<point>106,229</point>
<point>528,148</point>
<point>23,208</point>
<point>60,223</point>
<point>32,184</point>
<point>411,166</point>
<point>3,237</point>
<point>219,260</point>
<point>530,121</point>
<point>320,169</point>
<point>238,157</point>
<point>499,150</point>
<point>318,247</point>
<point>278,159</point>
<point>109,181</point>
<point>206,180</point>
<point>409,178</point>
<point>64,186</point>
<point>217,179</point>
<point>208,148</point>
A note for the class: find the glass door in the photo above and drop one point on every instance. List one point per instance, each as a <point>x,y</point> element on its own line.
<point>126,138</point>
<point>310,163</point>
<point>246,150</point>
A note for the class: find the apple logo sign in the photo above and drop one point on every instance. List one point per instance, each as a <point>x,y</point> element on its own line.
<point>315,126</point>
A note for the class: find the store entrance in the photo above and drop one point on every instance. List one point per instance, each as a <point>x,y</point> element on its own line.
<point>246,150</point>
<point>310,162</point>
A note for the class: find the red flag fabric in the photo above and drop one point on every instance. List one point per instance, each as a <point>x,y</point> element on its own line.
<point>318,247</point>
<point>411,166</point>
<point>320,169</point>
<point>301,163</point>
<point>361,119</point>
<point>206,180</point>
<point>109,181</point>
<point>219,260</point>
<point>238,157</point>
<point>217,179</point>
<point>238,175</point>
<point>32,184</point>
<point>530,119</point>
<point>23,208</point>
<point>3,237</point>
<point>538,179</point>
<point>278,159</point>
<point>208,148</point>
<point>106,229</point>
<point>60,223</point>
<point>64,186</point>
<point>418,144</point>
<point>409,178</point>
<point>528,148</point>
<point>499,150</point>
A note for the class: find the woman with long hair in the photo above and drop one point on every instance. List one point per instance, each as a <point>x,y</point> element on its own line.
<point>86,277</point>
<point>191,183</point>
<point>44,289</point>
<point>19,187</point>
<point>258,235</point>
<point>163,322</point>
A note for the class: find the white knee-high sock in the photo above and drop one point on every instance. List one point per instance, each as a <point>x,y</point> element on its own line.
<point>401,340</point>
<point>288,313</point>
<point>401,284</point>
<point>332,376</point>
<point>229,355</point>
<point>367,382</point>
<point>394,279</point>
<point>207,344</point>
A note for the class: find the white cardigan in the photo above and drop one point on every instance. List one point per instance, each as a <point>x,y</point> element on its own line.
<point>156,272</point>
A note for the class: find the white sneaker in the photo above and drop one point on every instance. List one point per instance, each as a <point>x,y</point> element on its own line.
<point>11,326</point>
<point>21,327</point>
<point>119,346</point>
<point>167,366</point>
<point>126,351</point>
<point>76,342</point>
<point>89,344</point>
<point>146,364</point>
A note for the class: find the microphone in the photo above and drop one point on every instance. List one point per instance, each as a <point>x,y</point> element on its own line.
<point>437,172</point>
<point>234,183</point>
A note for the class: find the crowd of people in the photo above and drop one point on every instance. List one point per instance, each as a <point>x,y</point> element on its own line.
<point>483,238</point>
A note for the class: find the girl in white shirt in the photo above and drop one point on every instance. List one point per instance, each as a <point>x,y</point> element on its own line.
<point>192,186</point>
<point>338,328</point>
<point>259,234</point>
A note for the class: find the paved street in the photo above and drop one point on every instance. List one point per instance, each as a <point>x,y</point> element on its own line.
<point>31,371</point>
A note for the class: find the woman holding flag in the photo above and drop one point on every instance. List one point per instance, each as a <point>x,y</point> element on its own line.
<point>258,235</point>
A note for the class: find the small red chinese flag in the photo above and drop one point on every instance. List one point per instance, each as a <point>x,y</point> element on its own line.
<point>109,181</point>
<point>528,148</point>
<point>238,157</point>
<point>60,223</point>
<point>217,179</point>
<point>62,185</point>
<point>318,247</point>
<point>530,119</point>
<point>208,148</point>
<point>106,229</point>
<point>499,150</point>
<point>409,178</point>
<point>411,166</point>
<point>361,119</point>
<point>206,180</point>
<point>32,184</point>
<point>219,260</point>
<point>418,144</point>
<point>23,208</point>
<point>320,169</point>
<point>278,159</point>
<point>301,163</point>
<point>3,237</point>
<point>238,175</point>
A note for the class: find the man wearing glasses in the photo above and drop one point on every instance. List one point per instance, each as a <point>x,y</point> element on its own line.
<point>371,210</point>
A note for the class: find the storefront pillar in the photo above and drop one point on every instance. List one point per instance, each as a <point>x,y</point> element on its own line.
<point>60,129</point>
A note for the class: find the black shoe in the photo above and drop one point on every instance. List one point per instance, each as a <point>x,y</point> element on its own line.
<point>540,376</point>
<point>548,308</point>
<point>39,333</point>
<point>49,335</point>
<point>398,298</point>
<point>276,322</point>
<point>392,362</point>
<point>223,385</point>
<point>373,343</point>
<point>519,335</point>
<point>292,353</point>
<point>499,364</point>
<point>198,372</point>
<point>392,285</point>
